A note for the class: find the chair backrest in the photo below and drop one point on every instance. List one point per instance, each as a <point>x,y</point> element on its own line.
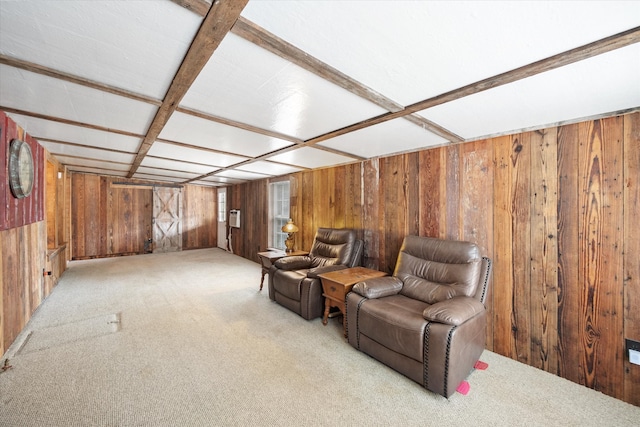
<point>434,270</point>
<point>485,280</point>
<point>333,246</point>
<point>358,252</point>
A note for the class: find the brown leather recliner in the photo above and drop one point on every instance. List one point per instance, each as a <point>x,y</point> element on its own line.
<point>294,281</point>
<point>428,320</point>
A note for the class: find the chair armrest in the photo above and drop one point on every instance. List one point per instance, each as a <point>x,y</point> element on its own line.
<point>378,287</point>
<point>454,311</point>
<point>315,273</point>
<point>293,262</point>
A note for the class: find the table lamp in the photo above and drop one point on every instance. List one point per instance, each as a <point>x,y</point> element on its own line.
<point>289,228</point>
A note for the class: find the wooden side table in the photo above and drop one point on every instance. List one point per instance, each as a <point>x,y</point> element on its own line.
<point>269,257</point>
<point>337,284</point>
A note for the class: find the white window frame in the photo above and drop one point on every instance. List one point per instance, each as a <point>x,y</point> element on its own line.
<point>279,212</point>
<point>222,206</point>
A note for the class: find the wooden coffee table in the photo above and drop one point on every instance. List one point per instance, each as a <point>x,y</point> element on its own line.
<point>267,259</point>
<point>337,284</point>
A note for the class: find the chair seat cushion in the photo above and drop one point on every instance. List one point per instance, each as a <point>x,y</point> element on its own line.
<point>288,283</point>
<point>395,322</point>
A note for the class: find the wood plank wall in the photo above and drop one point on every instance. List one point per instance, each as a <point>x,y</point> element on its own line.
<point>23,242</point>
<point>252,200</point>
<point>22,260</point>
<point>199,217</point>
<point>553,208</point>
<point>113,220</point>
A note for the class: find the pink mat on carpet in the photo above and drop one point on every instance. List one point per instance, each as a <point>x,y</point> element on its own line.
<point>464,386</point>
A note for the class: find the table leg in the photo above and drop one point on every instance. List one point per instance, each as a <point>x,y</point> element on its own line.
<point>327,306</point>
<point>262,281</point>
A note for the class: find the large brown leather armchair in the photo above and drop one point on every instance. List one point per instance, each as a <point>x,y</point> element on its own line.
<point>294,281</point>
<point>428,320</point>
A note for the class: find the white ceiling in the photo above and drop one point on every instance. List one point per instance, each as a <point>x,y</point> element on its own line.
<point>87,79</point>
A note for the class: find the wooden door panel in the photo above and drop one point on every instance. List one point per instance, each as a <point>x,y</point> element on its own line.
<point>167,219</point>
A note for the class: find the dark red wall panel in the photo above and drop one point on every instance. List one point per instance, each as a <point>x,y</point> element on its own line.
<point>19,212</point>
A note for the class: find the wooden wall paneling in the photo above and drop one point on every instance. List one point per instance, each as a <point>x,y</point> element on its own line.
<point>354,197</point>
<point>631,248</point>
<point>476,194</point>
<point>145,224</point>
<point>388,209</point>
<point>430,181</point>
<point>61,206</point>
<point>235,203</point>
<point>544,250</point>
<point>330,188</point>
<point>295,204</point>
<point>14,215</point>
<point>78,207</point>
<point>385,207</point>
<point>601,254</point>
<point>338,176</point>
<point>248,216</point>
<point>569,285</point>
<point>23,250</point>
<point>503,259</point>
<point>102,211</point>
<point>232,193</point>
<point>323,199</point>
<point>371,213</point>
<point>51,178</point>
<point>262,232</point>
<point>254,212</point>
<point>200,217</point>
<point>307,221</point>
<point>412,193</point>
<point>68,218</point>
<point>30,283</point>
<point>189,218</point>
<point>252,200</point>
<point>521,223</point>
<point>4,282</point>
<point>257,228</point>
<point>476,204</point>
<point>136,209</point>
<point>14,299</point>
<point>36,201</point>
<point>452,221</point>
<point>121,219</point>
<point>4,182</point>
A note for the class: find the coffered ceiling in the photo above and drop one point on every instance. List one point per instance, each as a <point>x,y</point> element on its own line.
<point>183,91</point>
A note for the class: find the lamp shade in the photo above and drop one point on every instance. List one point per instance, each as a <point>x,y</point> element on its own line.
<point>289,227</point>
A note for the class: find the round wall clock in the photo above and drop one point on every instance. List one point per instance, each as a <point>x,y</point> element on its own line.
<point>20,169</point>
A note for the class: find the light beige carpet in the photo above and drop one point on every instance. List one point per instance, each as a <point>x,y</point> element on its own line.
<point>186,339</point>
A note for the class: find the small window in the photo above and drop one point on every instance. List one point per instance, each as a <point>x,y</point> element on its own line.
<point>279,213</point>
<point>222,206</point>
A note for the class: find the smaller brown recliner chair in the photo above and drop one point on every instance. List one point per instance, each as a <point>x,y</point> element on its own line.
<point>294,282</point>
<point>428,320</point>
